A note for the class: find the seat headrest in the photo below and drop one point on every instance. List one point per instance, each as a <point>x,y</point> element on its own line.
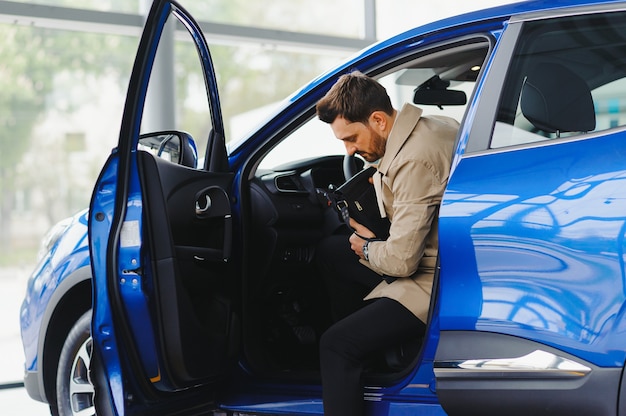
<point>554,99</point>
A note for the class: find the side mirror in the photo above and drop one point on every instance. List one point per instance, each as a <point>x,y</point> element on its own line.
<point>174,146</point>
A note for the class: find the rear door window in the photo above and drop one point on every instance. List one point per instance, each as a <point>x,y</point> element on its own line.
<point>567,77</point>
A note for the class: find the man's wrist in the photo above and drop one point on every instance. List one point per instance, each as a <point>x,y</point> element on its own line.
<point>366,254</point>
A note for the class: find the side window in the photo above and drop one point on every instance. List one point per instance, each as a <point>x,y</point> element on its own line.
<point>566,78</point>
<point>177,73</point>
<point>610,105</point>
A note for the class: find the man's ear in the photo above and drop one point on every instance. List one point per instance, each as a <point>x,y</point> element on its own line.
<point>378,120</point>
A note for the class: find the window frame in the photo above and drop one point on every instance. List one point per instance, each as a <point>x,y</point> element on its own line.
<point>482,129</point>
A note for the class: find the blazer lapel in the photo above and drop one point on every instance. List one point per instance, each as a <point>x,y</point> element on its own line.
<point>402,128</point>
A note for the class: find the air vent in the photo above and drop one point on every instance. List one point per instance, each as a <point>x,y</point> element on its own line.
<point>288,183</point>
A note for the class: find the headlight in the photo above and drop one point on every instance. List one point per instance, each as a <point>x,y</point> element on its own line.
<point>52,236</point>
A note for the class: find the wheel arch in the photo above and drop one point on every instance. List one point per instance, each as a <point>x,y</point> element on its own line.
<point>70,300</point>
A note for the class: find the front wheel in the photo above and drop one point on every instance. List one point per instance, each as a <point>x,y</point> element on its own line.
<point>74,389</point>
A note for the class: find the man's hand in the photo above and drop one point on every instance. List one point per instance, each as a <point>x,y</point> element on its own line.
<point>361,230</point>
<point>356,242</point>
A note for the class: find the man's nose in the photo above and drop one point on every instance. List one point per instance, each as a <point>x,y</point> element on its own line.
<point>351,149</point>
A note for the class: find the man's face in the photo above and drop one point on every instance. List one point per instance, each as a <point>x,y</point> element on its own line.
<point>365,140</point>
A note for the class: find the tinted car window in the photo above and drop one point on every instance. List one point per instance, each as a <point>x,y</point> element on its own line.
<point>565,79</point>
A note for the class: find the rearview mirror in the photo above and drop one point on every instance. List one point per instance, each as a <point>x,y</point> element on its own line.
<point>435,92</point>
<point>439,97</point>
<point>174,146</point>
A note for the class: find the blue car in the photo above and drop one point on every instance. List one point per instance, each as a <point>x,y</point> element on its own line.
<point>189,286</point>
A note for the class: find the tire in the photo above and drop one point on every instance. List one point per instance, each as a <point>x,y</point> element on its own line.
<point>75,391</point>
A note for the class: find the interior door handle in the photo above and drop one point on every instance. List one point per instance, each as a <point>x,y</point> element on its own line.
<point>200,210</point>
<point>213,204</point>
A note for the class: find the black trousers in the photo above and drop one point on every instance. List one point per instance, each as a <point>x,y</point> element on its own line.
<point>363,328</point>
<point>347,281</point>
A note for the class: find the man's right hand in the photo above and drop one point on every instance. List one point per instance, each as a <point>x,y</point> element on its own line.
<point>361,230</point>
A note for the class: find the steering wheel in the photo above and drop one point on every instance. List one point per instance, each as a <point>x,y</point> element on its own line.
<point>351,166</point>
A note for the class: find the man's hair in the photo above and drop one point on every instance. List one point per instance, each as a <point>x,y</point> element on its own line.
<point>354,97</point>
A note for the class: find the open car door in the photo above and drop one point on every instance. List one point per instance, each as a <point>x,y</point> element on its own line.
<point>160,238</point>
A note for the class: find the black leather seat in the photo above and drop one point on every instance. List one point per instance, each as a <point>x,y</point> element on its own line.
<point>556,100</point>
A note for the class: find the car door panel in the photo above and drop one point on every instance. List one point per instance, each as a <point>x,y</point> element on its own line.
<point>541,209</point>
<point>189,246</point>
<point>532,288</point>
<point>523,233</point>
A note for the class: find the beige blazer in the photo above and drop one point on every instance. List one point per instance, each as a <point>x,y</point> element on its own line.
<point>411,179</point>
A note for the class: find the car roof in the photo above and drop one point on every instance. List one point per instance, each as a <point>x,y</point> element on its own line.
<point>497,13</point>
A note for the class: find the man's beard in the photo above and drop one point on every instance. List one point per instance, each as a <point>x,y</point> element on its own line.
<point>378,144</point>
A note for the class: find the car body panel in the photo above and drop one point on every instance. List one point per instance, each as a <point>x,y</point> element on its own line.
<point>530,232</point>
<point>54,265</point>
<point>61,269</point>
<point>102,331</point>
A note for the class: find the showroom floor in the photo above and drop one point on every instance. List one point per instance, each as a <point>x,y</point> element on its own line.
<point>14,401</point>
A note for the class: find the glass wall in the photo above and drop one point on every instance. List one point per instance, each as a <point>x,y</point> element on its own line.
<point>121,6</point>
<point>61,98</point>
<point>328,17</point>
